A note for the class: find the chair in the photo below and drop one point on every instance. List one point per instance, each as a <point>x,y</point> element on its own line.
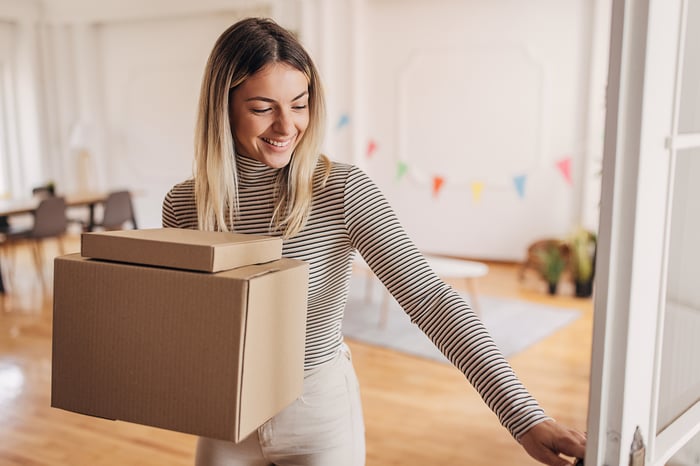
<point>118,210</point>
<point>50,221</point>
<point>46,190</point>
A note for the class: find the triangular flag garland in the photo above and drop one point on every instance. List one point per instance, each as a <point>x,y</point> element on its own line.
<point>477,187</point>
<point>519,182</point>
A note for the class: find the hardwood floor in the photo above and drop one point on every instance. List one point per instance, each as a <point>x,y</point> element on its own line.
<point>417,412</point>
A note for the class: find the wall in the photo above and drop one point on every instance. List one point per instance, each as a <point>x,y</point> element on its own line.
<point>484,94</point>
<point>21,129</point>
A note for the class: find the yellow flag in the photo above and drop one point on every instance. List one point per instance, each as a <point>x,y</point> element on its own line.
<point>477,187</point>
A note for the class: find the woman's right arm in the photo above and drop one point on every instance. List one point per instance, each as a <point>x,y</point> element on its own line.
<point>169,217</point>
<point>179,208</point>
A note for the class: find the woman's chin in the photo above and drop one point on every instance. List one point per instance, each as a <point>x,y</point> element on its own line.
<point>280,160</point>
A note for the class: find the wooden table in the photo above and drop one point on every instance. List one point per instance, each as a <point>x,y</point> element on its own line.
<point>87,199</point>
<point>81,199</point>
<point>446,268</point>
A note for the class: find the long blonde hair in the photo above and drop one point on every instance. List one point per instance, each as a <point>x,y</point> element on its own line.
<point>241,51</point>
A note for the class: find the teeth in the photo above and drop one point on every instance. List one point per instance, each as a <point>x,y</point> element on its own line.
<point>277,143</point>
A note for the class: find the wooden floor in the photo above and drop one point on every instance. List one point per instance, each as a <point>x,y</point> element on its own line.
<point>417,412</point>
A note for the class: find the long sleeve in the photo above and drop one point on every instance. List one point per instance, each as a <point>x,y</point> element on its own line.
<point>440,312</point>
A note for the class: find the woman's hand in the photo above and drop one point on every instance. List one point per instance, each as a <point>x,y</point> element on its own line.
<point>547,440</point>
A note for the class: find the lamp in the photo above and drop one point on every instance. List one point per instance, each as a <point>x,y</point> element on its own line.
<point>80,142</point>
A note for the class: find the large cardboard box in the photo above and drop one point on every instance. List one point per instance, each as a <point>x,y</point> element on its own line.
<point>207,251</point>
<point>210,354</point>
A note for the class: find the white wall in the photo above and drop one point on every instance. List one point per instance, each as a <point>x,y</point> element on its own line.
<point>479,93</point>
<point>476,92</point>
<point>21,131</point>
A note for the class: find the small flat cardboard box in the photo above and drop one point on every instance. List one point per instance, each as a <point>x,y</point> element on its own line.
<point>214,355</point>
<point>207,251</point>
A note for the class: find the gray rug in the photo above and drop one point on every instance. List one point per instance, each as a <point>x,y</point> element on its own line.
<point>514,324</point>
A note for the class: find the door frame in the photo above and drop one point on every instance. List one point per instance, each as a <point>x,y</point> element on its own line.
<point>639,152</point>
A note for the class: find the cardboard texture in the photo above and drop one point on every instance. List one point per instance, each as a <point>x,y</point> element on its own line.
<point>214,355</point>
<point>207,251</point>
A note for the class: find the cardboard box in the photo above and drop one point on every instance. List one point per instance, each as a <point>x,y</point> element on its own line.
<point>207,251</point>
<point>214,355</point>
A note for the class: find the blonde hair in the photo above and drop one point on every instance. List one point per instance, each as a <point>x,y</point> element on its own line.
<point>241,51</point>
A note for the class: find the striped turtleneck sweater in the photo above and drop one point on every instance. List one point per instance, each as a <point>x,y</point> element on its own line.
<point>350,214</point>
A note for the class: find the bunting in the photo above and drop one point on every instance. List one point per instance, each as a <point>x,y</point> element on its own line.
<point>519,181</point>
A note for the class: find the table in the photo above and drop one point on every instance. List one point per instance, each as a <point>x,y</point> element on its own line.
<point>445,268</point>
<point>87,199</point>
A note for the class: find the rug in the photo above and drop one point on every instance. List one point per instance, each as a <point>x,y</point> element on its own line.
<point>514,324</point>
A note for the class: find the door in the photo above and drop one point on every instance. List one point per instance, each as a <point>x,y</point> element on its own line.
<point>645,374</point>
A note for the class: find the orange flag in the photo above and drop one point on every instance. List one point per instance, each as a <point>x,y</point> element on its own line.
<point>438,181</point>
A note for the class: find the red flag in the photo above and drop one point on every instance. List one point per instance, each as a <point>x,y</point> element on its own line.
<point>371,147</point>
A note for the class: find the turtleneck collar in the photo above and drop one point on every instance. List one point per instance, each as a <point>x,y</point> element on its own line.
<point>251,171</point>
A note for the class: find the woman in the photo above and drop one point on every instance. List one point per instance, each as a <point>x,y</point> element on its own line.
<point>258,170</point>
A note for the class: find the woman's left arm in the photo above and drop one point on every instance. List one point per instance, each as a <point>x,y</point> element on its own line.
<point>440,312</point>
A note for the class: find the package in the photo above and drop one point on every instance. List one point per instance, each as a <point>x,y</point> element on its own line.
<point>210,354</point>
<point>207,251</point>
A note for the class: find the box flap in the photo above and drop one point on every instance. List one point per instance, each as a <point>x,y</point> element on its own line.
<point>205,251</point>
<point>275,326</point>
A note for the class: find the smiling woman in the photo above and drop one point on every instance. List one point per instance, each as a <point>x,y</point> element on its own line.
<point>259,170</point>
<point>269,114</point>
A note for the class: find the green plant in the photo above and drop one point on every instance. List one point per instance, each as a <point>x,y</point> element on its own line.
<point>583,246</point>
<point>552,264</point>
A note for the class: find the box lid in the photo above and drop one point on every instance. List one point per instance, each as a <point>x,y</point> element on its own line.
<point>206,251</point>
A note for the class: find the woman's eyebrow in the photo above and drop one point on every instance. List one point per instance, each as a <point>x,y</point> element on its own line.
<point>269,100</point>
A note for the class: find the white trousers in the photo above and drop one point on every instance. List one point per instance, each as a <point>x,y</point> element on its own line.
<point>324,427</point>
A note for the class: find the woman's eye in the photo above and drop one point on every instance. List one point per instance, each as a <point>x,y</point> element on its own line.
<point>260,111</point>
<point>299,107</point>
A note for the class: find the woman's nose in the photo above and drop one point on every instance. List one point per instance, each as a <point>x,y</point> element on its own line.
<point>284,124</point>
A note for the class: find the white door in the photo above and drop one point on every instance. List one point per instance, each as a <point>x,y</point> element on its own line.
<point>645,373</point>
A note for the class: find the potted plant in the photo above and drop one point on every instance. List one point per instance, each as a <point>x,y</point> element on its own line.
<point>583,251</point>
<point>552,264</point>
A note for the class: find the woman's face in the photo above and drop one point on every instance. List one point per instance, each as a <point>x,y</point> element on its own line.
<point>269,113</point>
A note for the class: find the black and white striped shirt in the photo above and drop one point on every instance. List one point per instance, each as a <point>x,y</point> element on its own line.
<point>350,214</point>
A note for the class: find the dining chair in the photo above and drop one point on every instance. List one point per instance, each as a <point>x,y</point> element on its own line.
<point>50,222</point>
<point>45,190</point>
<point>117,212</point>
